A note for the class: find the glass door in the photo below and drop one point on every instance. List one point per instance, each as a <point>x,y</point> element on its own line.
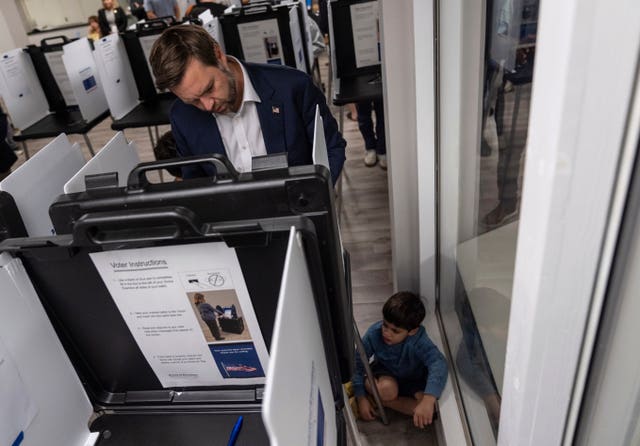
<point>486,55</point>
<point>524,255</point>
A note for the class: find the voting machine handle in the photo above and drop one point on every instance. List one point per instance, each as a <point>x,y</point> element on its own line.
<point>156,24</point>
<point>225,171</point>
<point>141,225</point>
<point>54,42</point>
<point>256,8</point>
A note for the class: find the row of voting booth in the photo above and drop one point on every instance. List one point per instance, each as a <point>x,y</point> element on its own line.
<point>99,309</point>
<point>104,273</point>
<point>100,271</point>
<point>354,36</point>
<point>63,86</point>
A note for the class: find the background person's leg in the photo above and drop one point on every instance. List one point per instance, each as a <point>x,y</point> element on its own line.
<point>365,124</point>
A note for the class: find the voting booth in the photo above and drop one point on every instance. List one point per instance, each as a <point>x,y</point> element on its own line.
<point>52,88</point>
<point>149,107</point>
<point>354,31</point>
<point>59,167</point>
<point>111,316</point>
<point>266,33</point>
<point>36,184</point>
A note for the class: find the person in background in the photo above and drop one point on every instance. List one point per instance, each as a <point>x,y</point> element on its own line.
<point>93,32</point>
<point>162,8</point>
<point>374,141</point>
<point>111,18</point>
<point>216,8</point>
<point>137,10</point>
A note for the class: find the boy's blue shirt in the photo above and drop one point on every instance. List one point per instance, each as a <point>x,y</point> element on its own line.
<point>408,360</point>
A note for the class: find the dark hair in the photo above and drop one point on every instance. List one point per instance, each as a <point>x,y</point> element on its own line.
<point>404,310</point>
<point>93,18</point>
<point>175,48</point>
<point>166,149</point>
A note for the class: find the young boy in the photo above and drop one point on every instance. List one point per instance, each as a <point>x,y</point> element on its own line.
<point>409,370</point>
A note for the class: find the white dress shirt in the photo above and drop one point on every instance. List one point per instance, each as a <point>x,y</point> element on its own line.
<point>241,133</point>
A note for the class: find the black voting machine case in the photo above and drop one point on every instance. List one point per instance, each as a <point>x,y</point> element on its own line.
<point>252,213</point>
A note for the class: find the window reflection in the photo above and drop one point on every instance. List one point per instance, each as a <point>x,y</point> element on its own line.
<point>477,289</point>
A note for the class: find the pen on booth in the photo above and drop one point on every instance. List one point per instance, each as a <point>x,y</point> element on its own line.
<point>235,432</point>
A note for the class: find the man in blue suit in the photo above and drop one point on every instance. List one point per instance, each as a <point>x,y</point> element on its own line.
<point>240,110</point>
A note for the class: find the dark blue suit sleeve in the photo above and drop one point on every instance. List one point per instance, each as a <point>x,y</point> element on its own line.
<point>181,144</point>
<point>335,142</point>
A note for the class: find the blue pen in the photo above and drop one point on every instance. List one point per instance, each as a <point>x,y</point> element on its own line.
<point>235,432</point>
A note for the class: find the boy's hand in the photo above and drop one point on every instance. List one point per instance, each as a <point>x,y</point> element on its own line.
<point>365,410</point>
<point>423,413</point>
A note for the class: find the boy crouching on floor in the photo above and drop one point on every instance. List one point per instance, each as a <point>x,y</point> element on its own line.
<point>409,370</point>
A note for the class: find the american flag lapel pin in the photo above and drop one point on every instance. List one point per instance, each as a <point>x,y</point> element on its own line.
<point>275,109</point>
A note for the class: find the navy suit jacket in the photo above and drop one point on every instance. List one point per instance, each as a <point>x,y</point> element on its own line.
<point>287,117</point>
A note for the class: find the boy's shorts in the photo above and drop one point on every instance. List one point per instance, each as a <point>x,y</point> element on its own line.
<point>406,387</point>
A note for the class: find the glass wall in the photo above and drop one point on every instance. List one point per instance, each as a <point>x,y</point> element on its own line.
<point>481,160</point>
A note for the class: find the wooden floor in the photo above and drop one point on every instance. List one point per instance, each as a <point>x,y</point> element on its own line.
<point>365,226</point>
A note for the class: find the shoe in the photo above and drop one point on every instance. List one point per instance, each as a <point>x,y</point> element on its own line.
<point>348,388</point>
<point>370,158</point>
<point>498,216</point>
<point>353,403</point>
<point>508,87</point>
<point>382,159</point>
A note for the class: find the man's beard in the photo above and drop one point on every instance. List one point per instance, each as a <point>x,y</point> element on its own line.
<point>233,91</point>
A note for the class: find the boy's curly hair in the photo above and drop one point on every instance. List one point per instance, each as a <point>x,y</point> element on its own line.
<point>404,310</point>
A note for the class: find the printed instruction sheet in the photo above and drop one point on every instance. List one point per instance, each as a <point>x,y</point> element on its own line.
<point>366,33</point>
<point>261,42</point>
<point>189,310</point>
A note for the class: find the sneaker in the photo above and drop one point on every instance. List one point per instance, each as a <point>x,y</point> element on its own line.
<point>382,159</point>
<point>370,158</point>
<point>498,216</point>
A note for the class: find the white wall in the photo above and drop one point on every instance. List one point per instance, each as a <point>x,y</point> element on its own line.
<point>12,30</point>
<point>398,75</point>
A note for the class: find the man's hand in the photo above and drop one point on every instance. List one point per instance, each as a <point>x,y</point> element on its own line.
<point>365,410</point>
<point>423,413</point>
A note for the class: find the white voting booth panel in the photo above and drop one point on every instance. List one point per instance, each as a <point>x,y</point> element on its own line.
<point>297,38</point>
<point>21,89</point>
<point>85,81</point>
<point>212,25</point>
<point>116,156</point>
<point>38,182</point>
<point>298,406</point>
<point>115,71</point>
<point>60,409</point>
<point>146,42</point>
<point>320,154</point>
